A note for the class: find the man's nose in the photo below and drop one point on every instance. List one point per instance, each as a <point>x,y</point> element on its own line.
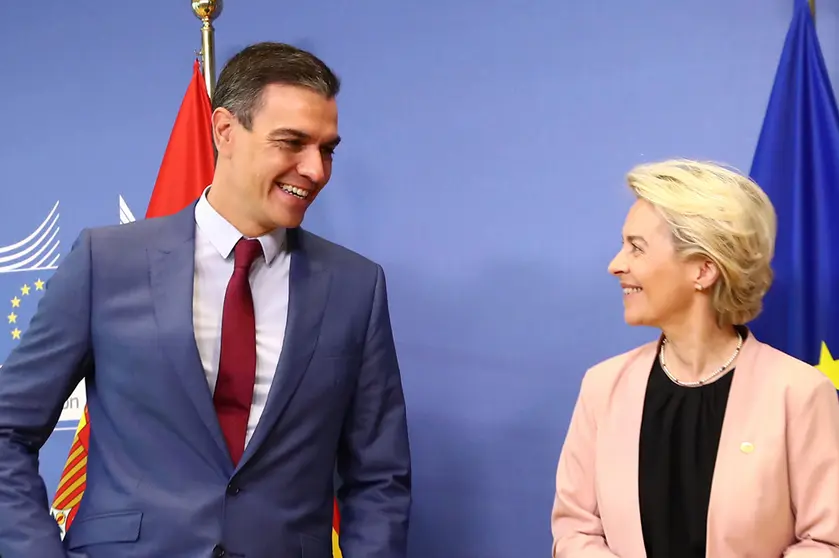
<point>312,166</point>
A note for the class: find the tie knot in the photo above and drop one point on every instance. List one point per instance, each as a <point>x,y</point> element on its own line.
<point>245,252</point>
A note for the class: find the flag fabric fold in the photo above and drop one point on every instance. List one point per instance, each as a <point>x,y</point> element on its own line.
<point>796,162</point>
<point>185,171</point>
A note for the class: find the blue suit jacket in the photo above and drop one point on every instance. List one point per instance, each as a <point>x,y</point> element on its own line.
<point>118,312</point>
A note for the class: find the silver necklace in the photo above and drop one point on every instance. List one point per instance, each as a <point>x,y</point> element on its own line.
<point>716,373</point>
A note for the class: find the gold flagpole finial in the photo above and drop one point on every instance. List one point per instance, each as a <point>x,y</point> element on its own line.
<point>813,8</point>
<point>207,11</point>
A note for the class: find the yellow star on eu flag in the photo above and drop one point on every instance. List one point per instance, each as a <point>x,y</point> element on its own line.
<point>39,285</point>
<point>15,302</point>
<point>16,333</point>
<point>12,318</point>
<point>828,366</point>
<point>25,290</point>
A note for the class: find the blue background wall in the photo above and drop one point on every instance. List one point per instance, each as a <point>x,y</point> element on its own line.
<point>483,162</point>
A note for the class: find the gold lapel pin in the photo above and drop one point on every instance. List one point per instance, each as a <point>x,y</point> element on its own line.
<point>747,447</point>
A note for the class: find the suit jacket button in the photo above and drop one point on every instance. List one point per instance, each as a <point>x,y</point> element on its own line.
<point>218,551</point>
<point>232,489</point>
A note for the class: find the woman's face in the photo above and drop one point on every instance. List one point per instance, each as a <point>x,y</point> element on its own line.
<point>658,286</point>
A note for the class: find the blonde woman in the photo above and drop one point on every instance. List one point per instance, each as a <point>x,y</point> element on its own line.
<point>705,442</point>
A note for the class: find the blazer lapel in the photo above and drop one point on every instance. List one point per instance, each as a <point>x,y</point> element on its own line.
<point>172,269</point>
<point>738,409</point>
<point>308,290</point>
<point>619,466</point>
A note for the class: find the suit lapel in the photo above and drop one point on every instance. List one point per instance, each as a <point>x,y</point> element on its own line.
<point>172,268</point>
<point>308,290</point>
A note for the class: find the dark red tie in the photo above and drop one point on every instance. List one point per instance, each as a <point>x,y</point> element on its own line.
<point>237,360</point>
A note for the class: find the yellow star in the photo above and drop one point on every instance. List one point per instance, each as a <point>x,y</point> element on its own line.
<point>39,285</point>
<point>15,302</point>
<point>828,365</point>
<point>25,290</point>
<point>16,333</point>
<point>12,318</point>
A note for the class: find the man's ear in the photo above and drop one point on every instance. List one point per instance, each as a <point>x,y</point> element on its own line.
<point>223,123</point>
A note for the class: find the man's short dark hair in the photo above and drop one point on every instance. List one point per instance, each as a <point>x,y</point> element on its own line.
<point>245,76</point>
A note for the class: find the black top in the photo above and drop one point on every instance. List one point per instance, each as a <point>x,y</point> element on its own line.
<point>680,433</point>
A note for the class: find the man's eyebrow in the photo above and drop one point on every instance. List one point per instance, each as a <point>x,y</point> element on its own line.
<point>288,132</point>
<point>298,134</point>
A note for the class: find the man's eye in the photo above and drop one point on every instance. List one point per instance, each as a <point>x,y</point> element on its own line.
<point>292,144</point>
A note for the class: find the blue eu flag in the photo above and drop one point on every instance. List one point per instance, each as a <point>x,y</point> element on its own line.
<point>797,163</point>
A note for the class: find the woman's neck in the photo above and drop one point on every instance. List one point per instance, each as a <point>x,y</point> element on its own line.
<point>696,350</point>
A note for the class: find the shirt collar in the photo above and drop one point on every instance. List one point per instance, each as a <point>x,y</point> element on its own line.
<point>224,236</point>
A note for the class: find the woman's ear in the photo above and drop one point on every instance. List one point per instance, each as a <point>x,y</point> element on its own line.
<point>707,274</point>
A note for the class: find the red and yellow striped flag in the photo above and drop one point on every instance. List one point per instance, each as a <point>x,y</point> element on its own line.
<point>73,478</point>
<point>186,169</point>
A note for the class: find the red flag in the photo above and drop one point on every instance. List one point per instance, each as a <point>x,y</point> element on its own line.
<point>188,162</point>
<point>186,170</point>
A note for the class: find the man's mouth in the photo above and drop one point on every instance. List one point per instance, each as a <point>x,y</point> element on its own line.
<point>299,193</point>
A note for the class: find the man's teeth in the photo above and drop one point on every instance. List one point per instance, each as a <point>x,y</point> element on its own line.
<point>630,290</point>
<point>293,190</point>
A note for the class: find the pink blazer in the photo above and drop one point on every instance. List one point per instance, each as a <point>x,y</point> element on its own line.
<point>775,490</point>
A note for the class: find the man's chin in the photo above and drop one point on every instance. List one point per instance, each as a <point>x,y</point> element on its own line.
<point>288,216</point>
<point>288,220</point>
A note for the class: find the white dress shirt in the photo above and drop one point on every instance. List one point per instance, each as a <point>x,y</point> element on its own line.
<point>215,238</point>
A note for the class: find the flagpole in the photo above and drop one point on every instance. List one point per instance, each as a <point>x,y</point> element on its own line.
<point>207,11</point>
<point>813,8</point>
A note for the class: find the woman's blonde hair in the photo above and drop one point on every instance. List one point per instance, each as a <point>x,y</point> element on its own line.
<point>716,213</point>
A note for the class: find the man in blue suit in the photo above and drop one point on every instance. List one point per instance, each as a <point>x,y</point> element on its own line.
<point>232,360</point>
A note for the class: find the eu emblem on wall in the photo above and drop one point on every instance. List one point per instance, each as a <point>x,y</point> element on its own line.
<point>26,262</point>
